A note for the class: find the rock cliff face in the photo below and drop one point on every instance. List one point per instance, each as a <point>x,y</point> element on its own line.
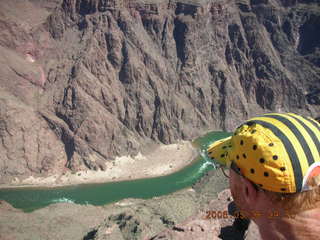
<point>85,80</point>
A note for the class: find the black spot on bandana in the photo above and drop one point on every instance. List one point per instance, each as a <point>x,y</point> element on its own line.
<point>250,123</point>
<point>262,160</point>
<point>266,174</point>
<point>275,157</point>
<point>254,147</point>
<point>252,170</point>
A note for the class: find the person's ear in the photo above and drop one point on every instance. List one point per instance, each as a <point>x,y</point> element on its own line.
<point>250,193</point>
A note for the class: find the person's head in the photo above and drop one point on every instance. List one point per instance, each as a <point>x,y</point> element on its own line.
<point>274,161</point>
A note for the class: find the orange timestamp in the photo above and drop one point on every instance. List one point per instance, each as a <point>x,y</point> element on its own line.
<point>214,214</point>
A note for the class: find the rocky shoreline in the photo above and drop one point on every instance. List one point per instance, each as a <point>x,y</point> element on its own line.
<point>180,215</point>
<point>162,160</point>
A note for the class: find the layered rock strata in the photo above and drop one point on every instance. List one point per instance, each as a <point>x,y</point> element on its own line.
<point>83,81</point>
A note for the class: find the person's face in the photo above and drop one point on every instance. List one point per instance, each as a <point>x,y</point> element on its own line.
<point>248,199</point>
<point>236,190</point>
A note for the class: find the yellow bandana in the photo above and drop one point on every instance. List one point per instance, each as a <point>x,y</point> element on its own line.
<point>278,152</point>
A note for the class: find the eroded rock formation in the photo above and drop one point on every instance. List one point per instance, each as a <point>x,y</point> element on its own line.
<point>83,81</point>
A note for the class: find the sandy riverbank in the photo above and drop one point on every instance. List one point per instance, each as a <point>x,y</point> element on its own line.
<point>164,160</point>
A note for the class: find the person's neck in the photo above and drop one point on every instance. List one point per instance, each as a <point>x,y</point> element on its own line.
<point>304,226</point>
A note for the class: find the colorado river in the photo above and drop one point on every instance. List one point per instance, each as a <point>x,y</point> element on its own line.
<point>29,199</point>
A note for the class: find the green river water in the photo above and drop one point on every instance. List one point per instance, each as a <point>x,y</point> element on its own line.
<point>29,199</point>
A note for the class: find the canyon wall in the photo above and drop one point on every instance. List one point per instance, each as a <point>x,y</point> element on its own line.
<point>83,81</point>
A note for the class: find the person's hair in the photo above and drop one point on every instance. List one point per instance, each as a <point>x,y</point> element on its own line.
<point>294,203</point>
